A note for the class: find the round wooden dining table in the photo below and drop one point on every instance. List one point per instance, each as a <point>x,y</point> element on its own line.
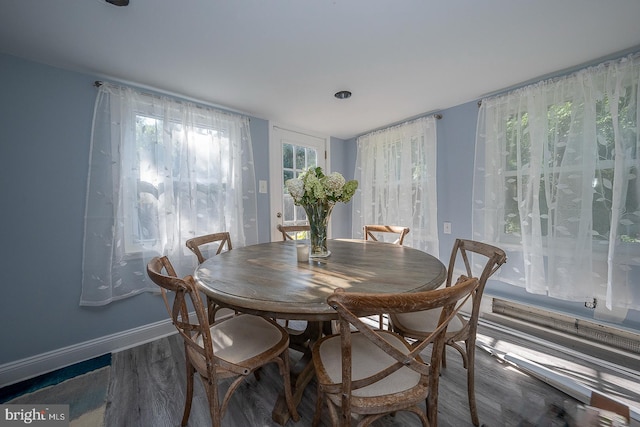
<point>267,280</point>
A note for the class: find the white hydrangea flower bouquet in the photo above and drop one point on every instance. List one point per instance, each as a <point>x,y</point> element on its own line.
<point>313,186</point>
<point>318,193</point>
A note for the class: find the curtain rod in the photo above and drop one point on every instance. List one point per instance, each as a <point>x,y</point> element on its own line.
<point>177,97</point>
<point>99,83</point>
<point>437,116</point>
<point>629,54</point>
<point>301,133</point>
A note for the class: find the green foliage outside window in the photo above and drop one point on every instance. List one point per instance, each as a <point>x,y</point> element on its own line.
<point>560,118</point>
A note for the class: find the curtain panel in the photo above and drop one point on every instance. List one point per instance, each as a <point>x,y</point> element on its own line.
<point>161,171</point>
<point>556,184</point>
<point>396,171</point>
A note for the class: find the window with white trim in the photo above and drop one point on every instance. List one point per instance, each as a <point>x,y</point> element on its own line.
<point>556,184</point>
<point>161,171</point>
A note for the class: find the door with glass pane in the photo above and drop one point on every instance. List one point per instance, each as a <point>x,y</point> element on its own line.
<point>291,153</point>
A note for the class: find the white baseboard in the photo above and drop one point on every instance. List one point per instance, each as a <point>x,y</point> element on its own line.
<point>33,366</point>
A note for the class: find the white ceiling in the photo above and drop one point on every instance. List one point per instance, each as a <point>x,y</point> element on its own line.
<point>283,60</point>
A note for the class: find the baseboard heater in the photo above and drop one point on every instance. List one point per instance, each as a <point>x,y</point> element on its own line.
<point>592,331</point>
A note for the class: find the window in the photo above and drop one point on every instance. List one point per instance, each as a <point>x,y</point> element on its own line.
<point>208,147</point>
<point>396,169</point>
<point>295,160</point>
<point>554,170</point>
<point>162,171</point>
<point>556,183</point>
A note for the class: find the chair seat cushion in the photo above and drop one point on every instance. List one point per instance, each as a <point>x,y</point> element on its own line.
<point>425,321</point>
<point>242,337</point>
<point>367,359</point>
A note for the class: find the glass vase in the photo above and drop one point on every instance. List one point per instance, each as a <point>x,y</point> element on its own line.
<point>318,216</point>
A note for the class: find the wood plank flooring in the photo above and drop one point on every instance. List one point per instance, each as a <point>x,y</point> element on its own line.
<point>148,384</point>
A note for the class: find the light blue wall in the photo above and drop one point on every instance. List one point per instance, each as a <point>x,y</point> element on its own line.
<point>45,125</point>
<point>456,141</point>
<point>45,116</point>
<point>260,141</point>
<point>343,160</point>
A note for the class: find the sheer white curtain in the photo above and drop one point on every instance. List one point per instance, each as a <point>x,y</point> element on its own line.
<point>161,171</point>
<point>396,172</point>
<point>556,184</point>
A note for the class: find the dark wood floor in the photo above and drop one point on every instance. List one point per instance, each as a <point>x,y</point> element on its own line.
<point>147,389</point>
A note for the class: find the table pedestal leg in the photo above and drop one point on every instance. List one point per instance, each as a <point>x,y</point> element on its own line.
<point>302,372</point>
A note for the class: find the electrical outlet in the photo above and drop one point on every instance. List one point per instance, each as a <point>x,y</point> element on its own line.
<point>262,186</point>
<point>447,228</point>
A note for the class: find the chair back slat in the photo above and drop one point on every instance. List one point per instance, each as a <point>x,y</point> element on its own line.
<point>289,232</point>
<point>372,231</point>
<point>493,258</point>
<point>167,283</point>
<point>480,260</point>
<point>185,294</point>
<point>195,244</point>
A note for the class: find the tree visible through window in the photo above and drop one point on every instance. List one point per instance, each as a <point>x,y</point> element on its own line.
<point>556,184</point>
<point>162,171</point>
<point>559,117</point>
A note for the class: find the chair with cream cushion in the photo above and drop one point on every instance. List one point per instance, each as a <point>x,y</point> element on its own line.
<point>370,373</point>
<point>230,348</point>
<point>377,232</point>
<point>463,328</point>
<point>212,244</point>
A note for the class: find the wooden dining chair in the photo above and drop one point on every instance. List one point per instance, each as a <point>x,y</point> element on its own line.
<point>371,372</point>
<point>374,232</point>
<point>220,242</point>
<point>207,244</point>
<point>290,232</point>
<point>231,348</point>
<point>463,328</point>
